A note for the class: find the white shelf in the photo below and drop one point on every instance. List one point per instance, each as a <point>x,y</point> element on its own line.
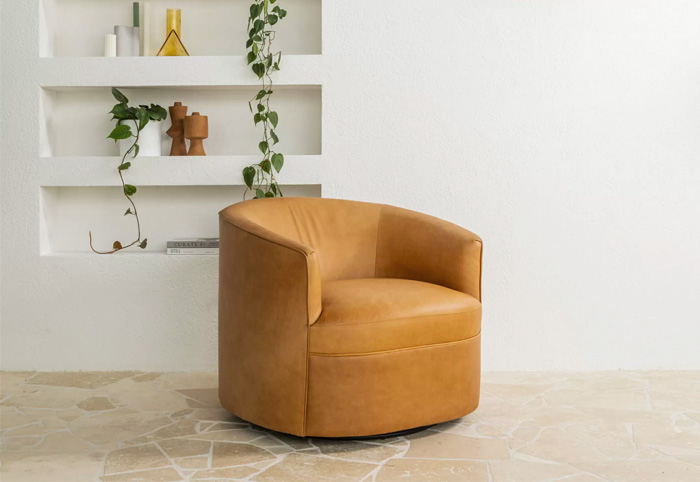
<point>76,28</point>
<point>76,120</point>
<point>69,213</point>
<point>135,253</point>
<point>60,73</point>
<point>172,171</point>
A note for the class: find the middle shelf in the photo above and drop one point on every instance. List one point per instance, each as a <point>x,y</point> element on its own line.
<point>172,171</point>
<point>75,121</point>
<point>62,72</point>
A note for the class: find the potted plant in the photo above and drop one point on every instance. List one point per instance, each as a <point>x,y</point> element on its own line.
<point>131,141</point>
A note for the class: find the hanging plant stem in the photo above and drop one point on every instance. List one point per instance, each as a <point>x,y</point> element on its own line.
<point>140,116</point>
<point>260,178</point>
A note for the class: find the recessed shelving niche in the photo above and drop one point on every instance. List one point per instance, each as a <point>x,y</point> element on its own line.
<point>177,196</point>
<point>68,213</point>
<point>76,123</point>
<point>76,28</point>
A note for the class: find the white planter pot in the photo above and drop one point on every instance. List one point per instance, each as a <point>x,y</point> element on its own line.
<point>149,140</point>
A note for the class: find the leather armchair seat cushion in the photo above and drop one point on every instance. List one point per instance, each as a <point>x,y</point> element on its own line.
<point>361,316</point>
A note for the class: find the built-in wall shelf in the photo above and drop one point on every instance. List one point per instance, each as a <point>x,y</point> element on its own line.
<point>171,171</point>
<point>167,212</point>
<point>76,164</point>
<point>199,72</point>
<point>76,28</point>
<point>76,120</point>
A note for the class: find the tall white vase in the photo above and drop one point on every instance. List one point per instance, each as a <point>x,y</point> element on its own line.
<point>149,140</point>
<point>128,41</point>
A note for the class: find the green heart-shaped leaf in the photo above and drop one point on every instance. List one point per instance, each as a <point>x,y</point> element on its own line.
<point>143,116</point>
<point>119,96</point>
<point>249,176</point>
<point>122,131</point>
<point>277,162</point>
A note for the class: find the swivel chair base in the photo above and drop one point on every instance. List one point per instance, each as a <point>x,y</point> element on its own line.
<point>400,433</point>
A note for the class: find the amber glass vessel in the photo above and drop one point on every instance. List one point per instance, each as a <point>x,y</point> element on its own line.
<point>173,45</point>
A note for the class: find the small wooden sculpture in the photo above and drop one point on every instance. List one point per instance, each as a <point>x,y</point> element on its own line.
<point>177,130</point>
<point>196,130</point>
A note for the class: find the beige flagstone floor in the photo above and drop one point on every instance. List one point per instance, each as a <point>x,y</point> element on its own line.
<point>115,427</point>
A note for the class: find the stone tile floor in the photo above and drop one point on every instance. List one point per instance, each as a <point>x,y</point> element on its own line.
<point>114,427</point>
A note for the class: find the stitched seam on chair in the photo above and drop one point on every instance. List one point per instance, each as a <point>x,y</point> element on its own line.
<point>297,226</point>
<point>397,319</point>
<point>447,343</point>
<point>308,346</point>
<point>376,243</point>
<point>481,265</point>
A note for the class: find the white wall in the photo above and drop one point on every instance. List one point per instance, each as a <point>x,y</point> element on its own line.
<point>566,134</point>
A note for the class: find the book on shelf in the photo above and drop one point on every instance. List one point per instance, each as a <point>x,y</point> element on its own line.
<point>195,251</point>
<point>194,243</point>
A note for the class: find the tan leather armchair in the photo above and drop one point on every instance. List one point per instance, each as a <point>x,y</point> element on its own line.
<point>345,319</point>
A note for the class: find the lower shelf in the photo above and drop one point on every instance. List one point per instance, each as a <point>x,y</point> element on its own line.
<point>68,214</point>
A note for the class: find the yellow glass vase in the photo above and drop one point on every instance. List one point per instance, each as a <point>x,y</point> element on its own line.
<point>173,45</point>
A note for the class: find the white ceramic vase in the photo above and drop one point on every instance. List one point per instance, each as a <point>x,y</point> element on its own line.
<point>149,140</point>
<point>128,41</point>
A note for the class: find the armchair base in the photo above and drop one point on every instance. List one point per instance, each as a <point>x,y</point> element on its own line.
<point>400,433</point>
<point>379,393</point>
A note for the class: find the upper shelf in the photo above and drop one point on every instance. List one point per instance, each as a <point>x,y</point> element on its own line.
<point>63,72</point>
<point>76,28</point>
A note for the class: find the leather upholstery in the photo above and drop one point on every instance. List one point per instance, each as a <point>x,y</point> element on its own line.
<point>387,392</point>
<point>380,314</point>
<point>341,318</point>
<point>411,245</point>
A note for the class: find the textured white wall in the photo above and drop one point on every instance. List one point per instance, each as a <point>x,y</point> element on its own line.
<point>566,134</point>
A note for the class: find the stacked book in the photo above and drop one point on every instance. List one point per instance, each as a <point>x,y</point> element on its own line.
<point>194,246</point>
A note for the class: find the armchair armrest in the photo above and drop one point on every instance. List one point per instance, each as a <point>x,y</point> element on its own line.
<point>271,255</point>
<point>416,246</point>
<point>269,293</point>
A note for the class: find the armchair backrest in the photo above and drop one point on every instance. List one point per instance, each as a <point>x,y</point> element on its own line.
<point>343,233</point>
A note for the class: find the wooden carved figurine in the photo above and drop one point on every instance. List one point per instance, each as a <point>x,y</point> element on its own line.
<point>196,130</point>
<point>177,130</point>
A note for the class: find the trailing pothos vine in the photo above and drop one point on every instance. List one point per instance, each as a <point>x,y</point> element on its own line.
<point>140,117</point>
<point>260,178</point>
